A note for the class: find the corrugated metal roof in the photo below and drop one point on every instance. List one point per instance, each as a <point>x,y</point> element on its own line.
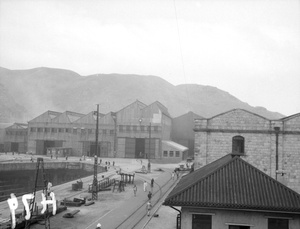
<point>18,126</point>
<point>174,145</point>
<point>231,182</point>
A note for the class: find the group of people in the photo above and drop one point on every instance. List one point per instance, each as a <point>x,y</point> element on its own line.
<point>148,205</point>
<point>146,185</point>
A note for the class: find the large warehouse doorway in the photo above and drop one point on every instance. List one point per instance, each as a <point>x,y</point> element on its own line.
<point>42,145</point>
<point>140,147</point>
<point>14,147</point>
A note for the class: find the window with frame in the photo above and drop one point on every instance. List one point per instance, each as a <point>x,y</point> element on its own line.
<point>74,130</point>
<point>134,128</point>
<point>111,132</point>
<point>104,132</point>
<point>155,128</point>
<point>275,223</point>
<point>60,130</point>
<point>53,130</point>
<point>121,128</point>
<point>238,144</point>
<point>165,153</point>
<point>39,129</point>
<point>47,130</point>
<point>201,221</point>
<point>127,128</point>
<point>177,154</point>
<point>142,128</point>
<point>32,129</point>
<point>238,227</point>
<point>171,154</point>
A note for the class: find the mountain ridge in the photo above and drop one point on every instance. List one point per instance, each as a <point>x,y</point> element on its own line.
<point>40,89</point>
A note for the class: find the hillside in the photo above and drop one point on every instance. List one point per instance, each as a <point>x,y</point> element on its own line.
<point>28,93</point>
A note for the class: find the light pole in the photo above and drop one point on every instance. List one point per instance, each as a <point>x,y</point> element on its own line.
<point>149,164</point>
<point>149,146</point>
<point>114,117</point>
<point>277,129</point>
<point>95,181</point>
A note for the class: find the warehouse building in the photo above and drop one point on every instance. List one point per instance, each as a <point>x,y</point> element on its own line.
<point>136,131</point>
<point>15,138</point>
<point>183,133</point>
<point>270,145</point>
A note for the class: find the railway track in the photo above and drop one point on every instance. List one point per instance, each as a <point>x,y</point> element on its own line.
<point>138,219</point>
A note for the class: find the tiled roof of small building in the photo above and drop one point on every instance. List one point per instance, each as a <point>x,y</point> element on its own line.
<point>232,183</point>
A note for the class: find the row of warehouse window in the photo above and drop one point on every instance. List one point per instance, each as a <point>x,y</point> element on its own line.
<point>122,128</point>
<point>171,153</point>
<point>128,128</point>
<point>14,132</point>
<point>69,130</point>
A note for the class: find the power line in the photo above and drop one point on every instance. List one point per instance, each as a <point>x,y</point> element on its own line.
<point>181,55</point>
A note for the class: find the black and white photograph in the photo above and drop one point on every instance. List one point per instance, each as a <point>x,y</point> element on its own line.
<point>149,114</point>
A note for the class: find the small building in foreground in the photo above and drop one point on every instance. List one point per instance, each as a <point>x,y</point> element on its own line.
<point>230,193</point>
<point>173,152</point>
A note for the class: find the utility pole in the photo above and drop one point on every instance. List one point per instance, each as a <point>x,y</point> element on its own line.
<point>95,181</point>
<point>114,117</point>
<point>277,129</point>
<point>149,165</point>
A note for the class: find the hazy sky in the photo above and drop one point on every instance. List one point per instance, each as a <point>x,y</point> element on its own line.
<point>249,48</point>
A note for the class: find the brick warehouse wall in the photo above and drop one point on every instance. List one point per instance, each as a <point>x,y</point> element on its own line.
<point>213,139</point>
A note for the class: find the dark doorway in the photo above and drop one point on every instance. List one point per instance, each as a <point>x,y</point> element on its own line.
<point>48,144</point>
<point>41,146</point>
<point>14,147</point>
<point>140,147</point>
<point>93,150</point>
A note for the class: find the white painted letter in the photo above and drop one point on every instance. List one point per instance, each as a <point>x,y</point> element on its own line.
<point>13,205</point>
<point>24,200</point>
<point>44,202</point>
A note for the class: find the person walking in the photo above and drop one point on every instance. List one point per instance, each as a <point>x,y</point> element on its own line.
<point>149,196</point>
<point>173,175</point>
<point>145,186</point>
<point>152,183</point>
<point>98,226</point>
<point>148,208</point>
<point>134,190</point>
